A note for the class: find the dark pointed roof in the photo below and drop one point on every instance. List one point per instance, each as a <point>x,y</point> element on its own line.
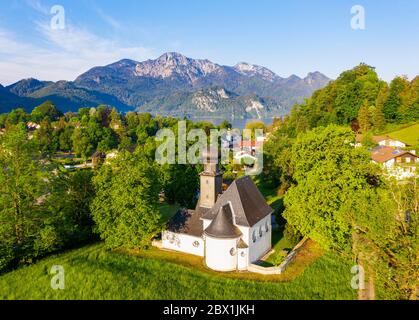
<point>222,226</point>
<point>247,203</point>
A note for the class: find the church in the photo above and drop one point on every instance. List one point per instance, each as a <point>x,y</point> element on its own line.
<point>230,229</point>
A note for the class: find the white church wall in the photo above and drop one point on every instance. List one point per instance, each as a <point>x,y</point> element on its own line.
<point>183,243</point>
<point>242,259</point>
<point>221,254</point>
<point>258,248</point>
<point>246,233</point>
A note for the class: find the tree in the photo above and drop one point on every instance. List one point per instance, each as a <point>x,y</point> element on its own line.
<point>277,168</point>
<point>25,231</point>
<point>364,119</point>
<point>180,184</point>
<point>46,138</point>
<point>70,202</point>
<point>377,118</point>
<point>125,207</point>
<point>328,172</point>
<point>16,116</point>
<point>225,125</point>
<point>81,143</point>
<point>255,125</point>
<point>394,101</point>
<point>45,110</point>
<point>400,252</point>
<point>109,141</point>
<point>65,138</point>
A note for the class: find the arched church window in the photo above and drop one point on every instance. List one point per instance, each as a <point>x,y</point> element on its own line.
<point>254,236</point>
<point>232,252</point>
<point>260,232</point>
<point>243,254</point>
<point>267,226</point>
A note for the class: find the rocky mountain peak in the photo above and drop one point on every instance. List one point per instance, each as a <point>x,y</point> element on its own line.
<point>316,79</point>
<point>176,65</point>
<point>255,70</point>
<point>173,58</point>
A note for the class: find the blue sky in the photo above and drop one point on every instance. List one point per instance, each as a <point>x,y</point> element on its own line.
<point>289,37</point>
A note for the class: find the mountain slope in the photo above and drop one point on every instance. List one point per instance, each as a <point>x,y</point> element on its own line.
<point>65,95</point>
<point>9,101</point>
<point>162,84</point>
<point>173,72</point>
<point>26,87</point>
<point>214,102</point>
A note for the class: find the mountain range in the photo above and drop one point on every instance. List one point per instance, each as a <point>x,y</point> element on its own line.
<point>172,84</point>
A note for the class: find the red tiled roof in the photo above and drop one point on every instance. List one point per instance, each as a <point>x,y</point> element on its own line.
<point>384,154</point>
<point>251,143</point>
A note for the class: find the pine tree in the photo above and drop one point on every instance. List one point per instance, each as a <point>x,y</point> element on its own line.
<point>364,118</point>
<point>377,118</point>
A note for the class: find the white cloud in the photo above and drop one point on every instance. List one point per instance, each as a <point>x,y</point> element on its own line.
<point>108,19</point>
<point>62,54</point>
<point>38,6</point>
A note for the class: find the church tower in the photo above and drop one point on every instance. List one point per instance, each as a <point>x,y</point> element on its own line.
<point>211,179</point>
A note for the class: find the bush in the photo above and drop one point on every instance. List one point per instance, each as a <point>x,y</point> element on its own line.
<point>229,176</point>
<point>6,257</point>
<point>292,235</point>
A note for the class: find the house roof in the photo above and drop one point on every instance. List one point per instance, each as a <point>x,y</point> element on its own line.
<point>251,143</point>
<point>187,222</point>
<point>376,139</point>
<point>384,154</point>
<point>246,202</point>
<point>99,154</point>
<point>222,226</point>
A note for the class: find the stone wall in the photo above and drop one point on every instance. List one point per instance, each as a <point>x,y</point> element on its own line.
<point>281,268</point>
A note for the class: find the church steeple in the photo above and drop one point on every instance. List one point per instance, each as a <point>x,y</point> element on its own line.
<point>211,179</point>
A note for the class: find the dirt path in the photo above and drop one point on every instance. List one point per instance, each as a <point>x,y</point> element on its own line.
<point>368,293</point>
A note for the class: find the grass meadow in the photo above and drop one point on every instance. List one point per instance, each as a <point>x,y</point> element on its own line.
<point>93,272</point>
<point>409,135</point>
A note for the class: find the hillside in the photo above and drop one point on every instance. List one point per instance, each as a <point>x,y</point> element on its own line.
<point>64,94</point>
<point>167,80</point>
<point>215,102</point>
<point>9,100</point>
<point>173,72</point>
<point>409,135</point>
<point>94,273</point>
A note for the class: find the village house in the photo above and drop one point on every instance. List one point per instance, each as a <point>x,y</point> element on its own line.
<point>32,126</point>
<point>230,229</point>
<point>384,141</point>
<point>398,163</point>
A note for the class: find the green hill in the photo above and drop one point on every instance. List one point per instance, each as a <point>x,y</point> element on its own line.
<point>409,135</point>
<point>94,273</point>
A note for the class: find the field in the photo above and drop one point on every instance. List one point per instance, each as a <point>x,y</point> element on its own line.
<point>95,273</point>
<point>409,135</point>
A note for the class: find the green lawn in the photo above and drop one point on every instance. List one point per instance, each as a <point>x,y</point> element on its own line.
<point>94,273</point>
<point>281,247</point>
<point>409,135</point>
